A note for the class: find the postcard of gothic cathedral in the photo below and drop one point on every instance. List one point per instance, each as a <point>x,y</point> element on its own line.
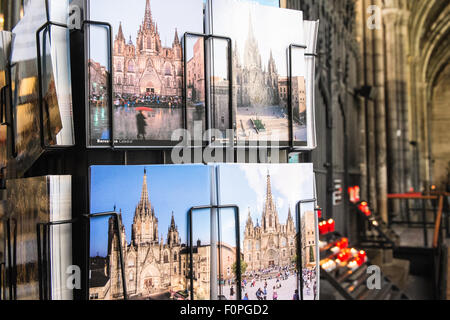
<point>148,71</point>
<point>153,203</point>
<point>267,196</point>
<point>156,232</point>
<point>261,36</point>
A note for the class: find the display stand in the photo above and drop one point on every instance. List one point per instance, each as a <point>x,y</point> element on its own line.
<point>11,259</point>
<point>43,249</point>
<point>205,38</point>
<point>2,279</point>
<point>238,241</point>
<point>3,122</point>
<point>46,27</point>
<point>75,160</point>
<point>299,240</point>
<point>238,257</point>
<point>290,94</point>
<point>5,91</point>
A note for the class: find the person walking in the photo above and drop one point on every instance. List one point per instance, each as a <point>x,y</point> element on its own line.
<point>275,294</point>
<point>295,297</point>
<point>246,297</point>
<point>231,291</point>
<point>141,124</point>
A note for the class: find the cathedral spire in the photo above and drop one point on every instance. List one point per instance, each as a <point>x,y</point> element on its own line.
<point>144,203</point>
<point>249,218</point>
<point>251,35</point>
<point>120,35</point>
<point>176,40</point>
<point>148,15</point>
<point>172,223</point>
<point>269,188</point>
<point>289,214</point>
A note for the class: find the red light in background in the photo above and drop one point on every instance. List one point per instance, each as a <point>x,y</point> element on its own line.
<point>331,225</point>
<point>319,212</point>
<point>362,255</point>
<point>342,244</point>
<point>323,227</point>
<point>364,208</point>
<point>354,194</point>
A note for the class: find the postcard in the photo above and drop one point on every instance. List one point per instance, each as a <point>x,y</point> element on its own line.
<point>261,36</point>
<point>5,52</point>
<point>267,196</point>
<point>148,71</point>
<point>159,228</point>
<point>153,206</point>
<point>25,90</point>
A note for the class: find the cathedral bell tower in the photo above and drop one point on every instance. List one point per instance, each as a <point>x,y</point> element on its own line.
<point>119,42</point>
<point>148,39</point>
<point>252,57</point>
<point>173,237</point>
<point>270,214</point>
<point>290,226</point>
<point>145,223</point>
<point>249,228</point>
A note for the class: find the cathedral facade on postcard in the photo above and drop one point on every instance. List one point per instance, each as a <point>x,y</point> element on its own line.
<point>147,67</point>
<point>270,244</point>
<point>152,265</point>
<point>254,83</point>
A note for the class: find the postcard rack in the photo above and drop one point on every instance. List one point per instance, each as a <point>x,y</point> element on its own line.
<point>205,38</point>
<point>43,107</point>
<point>76,159</point>
<point>298,209</point>
<point>10,265</point>
<point>2,279</point>
<point>351,282</point>
<point>5,92</point>
<point>44,110</point>
<point>290,94</point>
<point>43,249</point>
<point>237,235</point>
<point>238,242</point>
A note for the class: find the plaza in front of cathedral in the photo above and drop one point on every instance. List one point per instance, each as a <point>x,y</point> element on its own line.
<point>285,289</point>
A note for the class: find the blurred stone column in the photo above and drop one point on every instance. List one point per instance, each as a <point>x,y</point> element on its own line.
<point>390,18</point>
<point>380,120</point>
<point>360,24</point>
<point>403,71</point>
<point>367,44</point>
